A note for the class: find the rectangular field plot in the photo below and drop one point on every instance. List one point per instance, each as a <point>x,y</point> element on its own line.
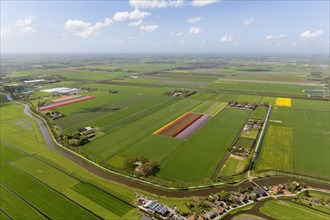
<point>68,102</point>
<point>284,102</point>
<point>268,100</point>
<point>130,134</point>
<point>15,207</point>
<point>107,201</point>
<point>253,133</point>
<point>289,210</point>
<point>311,104</point>
<point>199,157</point>
<point>310,140</point>
<point>9,154</point>
<point>50,202</point>
<point>248,98</point>
<point>233,165</point>
<point>180,124</point>
<point>246,143</point>
<point>47,174</point>
<point>64,98</point>
<point>209,107</point>
<point>259,113</point>
<point>276,150</point>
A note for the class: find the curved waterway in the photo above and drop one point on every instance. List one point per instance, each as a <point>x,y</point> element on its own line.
<point>178,193</point>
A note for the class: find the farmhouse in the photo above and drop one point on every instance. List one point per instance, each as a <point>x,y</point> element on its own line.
<point>277,189</point>
<point>155,207</point>
<point>243,198</point>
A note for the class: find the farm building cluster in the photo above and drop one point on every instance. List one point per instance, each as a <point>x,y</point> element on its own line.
<point>156,209</point>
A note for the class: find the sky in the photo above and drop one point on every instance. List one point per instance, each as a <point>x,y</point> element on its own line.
<point>165,26</point>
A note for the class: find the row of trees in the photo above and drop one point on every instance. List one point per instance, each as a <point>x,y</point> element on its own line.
<point>75,139</point>
<point>141,166</point>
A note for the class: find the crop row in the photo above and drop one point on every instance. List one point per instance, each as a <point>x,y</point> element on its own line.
<point>47,107</point>
<point>194,127</point>
<point>180,124</point>
<point>64,98</point>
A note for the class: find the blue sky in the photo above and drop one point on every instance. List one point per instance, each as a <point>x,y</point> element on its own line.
<point>165,26</point>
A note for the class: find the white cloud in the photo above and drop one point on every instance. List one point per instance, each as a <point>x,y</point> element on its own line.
<point>148,28</point>
<point>194,30</point>
<point>86,29</point>
<point>199,3</point>
<point>27,30</point>
<point>293,43</point>
<point>281,36</point>
<point>76,25</point>
<point>310,34</point>
<point>176,34</point>
<point>194,20</point>
<point>27,20</point>
<point>134,15</point>
<point>269,37</point>
<point>248,21</point>
<point>156,3</point>
<point>226,38</point>
<point>5,32</point>
<point>136,23</point>
<point>155,44</point>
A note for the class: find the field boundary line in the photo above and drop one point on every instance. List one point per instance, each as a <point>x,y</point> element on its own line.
<point>24,200</point>
<point>122,175</point>
<point>6,214</point>
<point>60,170</point>
<point>55,190</point>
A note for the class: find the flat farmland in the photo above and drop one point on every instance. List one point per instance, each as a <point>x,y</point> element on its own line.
<point>264,87</point>
<point>310,141</point>
<point>35,179</point>
<point>276,152</point>
<point>197,158</point>
<point>110,144</point>
<point>98,110</point>
<point>311,104</point>
<point>15,207</point>
<point>259,113</point>
<point>224,97</point>
<point>38,194</point>
<point>94,75</point>
<point>209,107</point>
<point>248,98</point>
<point>290,210</point>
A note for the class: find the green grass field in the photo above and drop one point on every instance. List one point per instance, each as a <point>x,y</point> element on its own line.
<point>276,152</point>
<point>199,157</point>
<point>245,142</point>
<point>259,113</point>
<point>288,210</point>
<point>252,134</point>
<point>248,98</point>
<point>232,166</point>
<point>125,122</point>
<point>129,134</point>
<point>36,182</point>
<point>311,104</point>
<point>309,143</point>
